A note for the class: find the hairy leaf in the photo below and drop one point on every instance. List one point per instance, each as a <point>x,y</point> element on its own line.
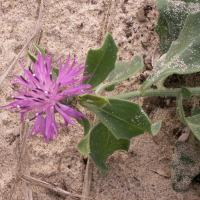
<point>183,56</point>
<point>171,19</point>
<point>123,71</point>
<point>193,121</point>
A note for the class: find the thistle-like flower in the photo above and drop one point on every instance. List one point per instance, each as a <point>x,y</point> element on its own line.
<point>41,94</point>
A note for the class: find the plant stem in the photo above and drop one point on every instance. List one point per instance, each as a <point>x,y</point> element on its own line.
<point>156,92</point>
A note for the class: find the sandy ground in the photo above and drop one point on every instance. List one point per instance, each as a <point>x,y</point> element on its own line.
<point>76,26</point>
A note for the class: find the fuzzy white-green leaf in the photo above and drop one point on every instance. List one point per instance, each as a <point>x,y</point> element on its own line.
<point>122,71</point>
<point>183,56</point>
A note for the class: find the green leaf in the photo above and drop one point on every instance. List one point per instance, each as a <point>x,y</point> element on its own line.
<point>194,125</point>
<point>99,101</point>
<point>123,71</point>
<point>172,16</point>
<point>54,74</point>
<point>162,30</point>
<point>155,128</point>
<point>195,112</point>
<point>102,173</point>
<point>40,50</point>
<point>183,55</point>
<point>103,144</point>
<point>193,121</point>
<point>101,62</point>
<point>186,93</point>
<point>83,145</point>
<point>123,118</point>
<point>55,70</point>
<point>109,88</point>
<point>86,125</point>
<point>32,56</point>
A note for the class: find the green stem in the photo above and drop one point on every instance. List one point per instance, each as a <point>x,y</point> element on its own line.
<point>180,109</point>
<point>156,92</point>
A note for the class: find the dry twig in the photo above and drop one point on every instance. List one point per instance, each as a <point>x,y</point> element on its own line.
<point>55,188</point>
<point>24,129</point>
<point>16,59</point>
<point>87,178</point>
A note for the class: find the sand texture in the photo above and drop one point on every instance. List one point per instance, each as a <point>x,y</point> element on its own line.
<point>75,26</point>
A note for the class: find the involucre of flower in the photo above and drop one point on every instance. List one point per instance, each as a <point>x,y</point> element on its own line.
<point>41,94</point>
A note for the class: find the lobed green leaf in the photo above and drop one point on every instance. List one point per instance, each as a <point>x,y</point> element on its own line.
<point>101,62</point>
<point>103,144</point>
<point>123,118</point>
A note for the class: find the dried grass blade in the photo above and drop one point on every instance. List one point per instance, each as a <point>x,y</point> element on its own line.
<point>43,184</point>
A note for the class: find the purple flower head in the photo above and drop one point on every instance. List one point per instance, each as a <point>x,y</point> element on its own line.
<point>41,94</point>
